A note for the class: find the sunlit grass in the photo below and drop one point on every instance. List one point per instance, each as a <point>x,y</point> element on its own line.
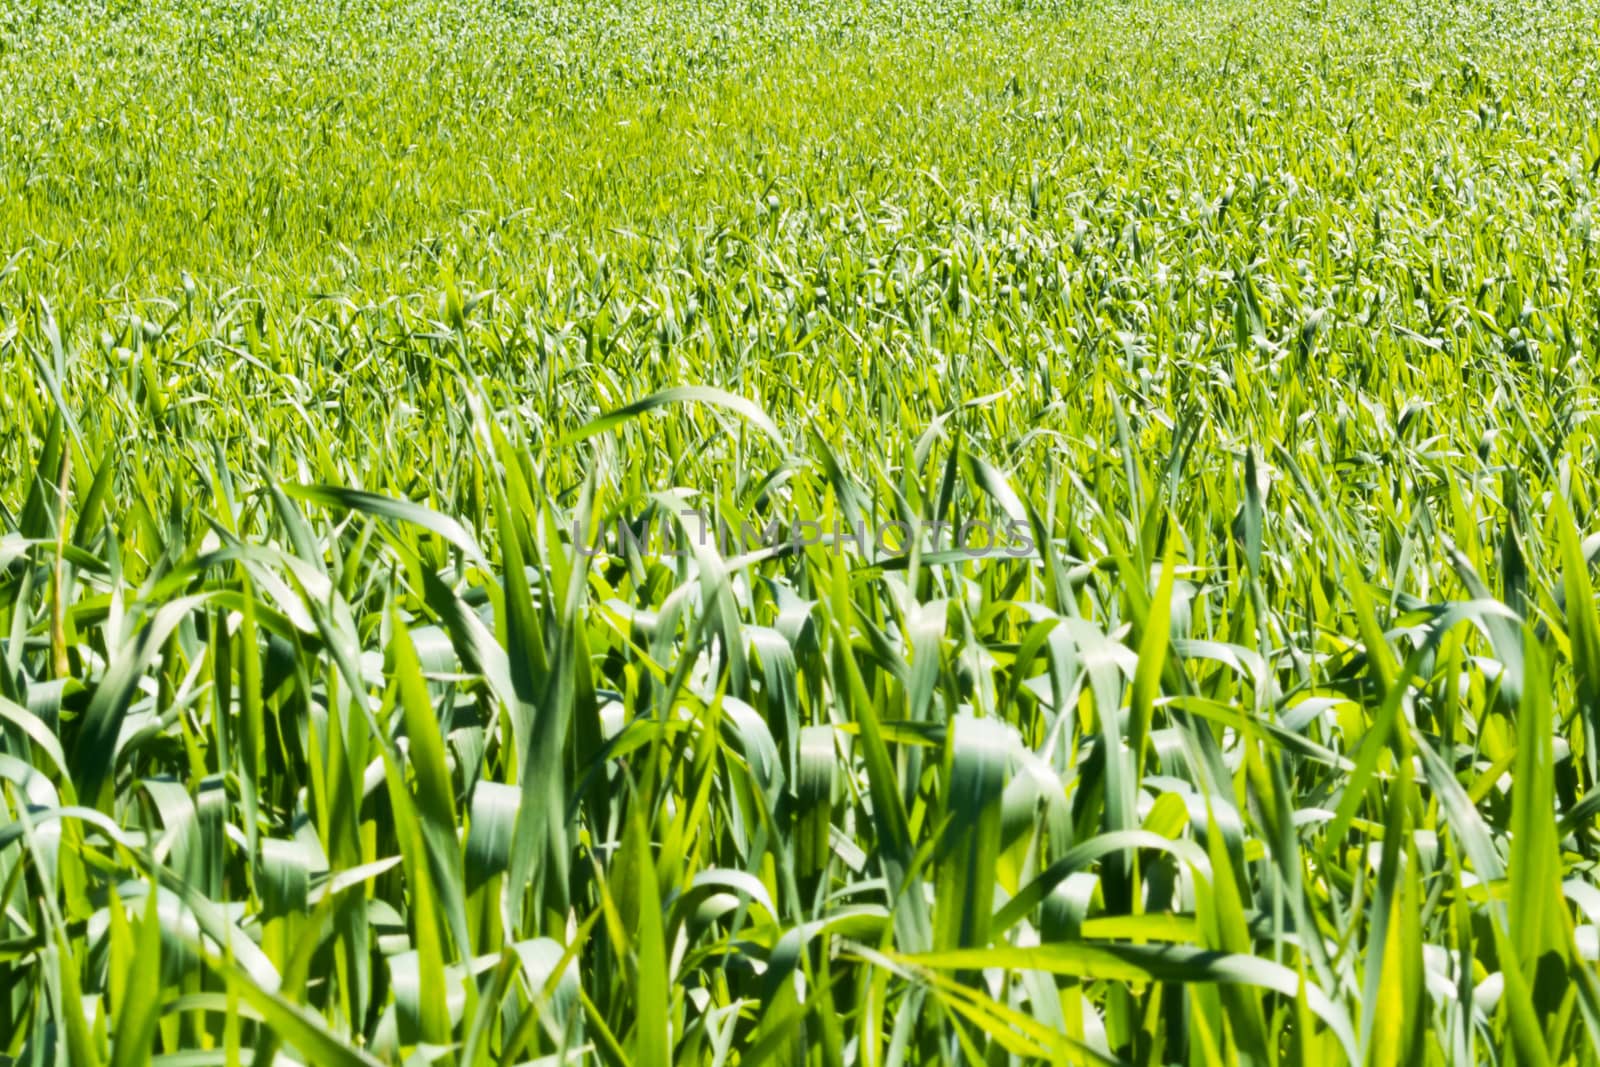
<point>334,339</point>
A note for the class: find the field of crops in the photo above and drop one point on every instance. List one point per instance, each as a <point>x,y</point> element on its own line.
<point>814,532</point>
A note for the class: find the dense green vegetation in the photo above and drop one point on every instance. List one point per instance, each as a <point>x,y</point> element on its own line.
<point>337,725</point>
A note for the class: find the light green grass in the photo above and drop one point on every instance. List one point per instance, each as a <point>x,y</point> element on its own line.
<point>323,327</point>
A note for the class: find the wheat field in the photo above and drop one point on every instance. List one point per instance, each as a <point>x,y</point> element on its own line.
<point>726,532</point>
